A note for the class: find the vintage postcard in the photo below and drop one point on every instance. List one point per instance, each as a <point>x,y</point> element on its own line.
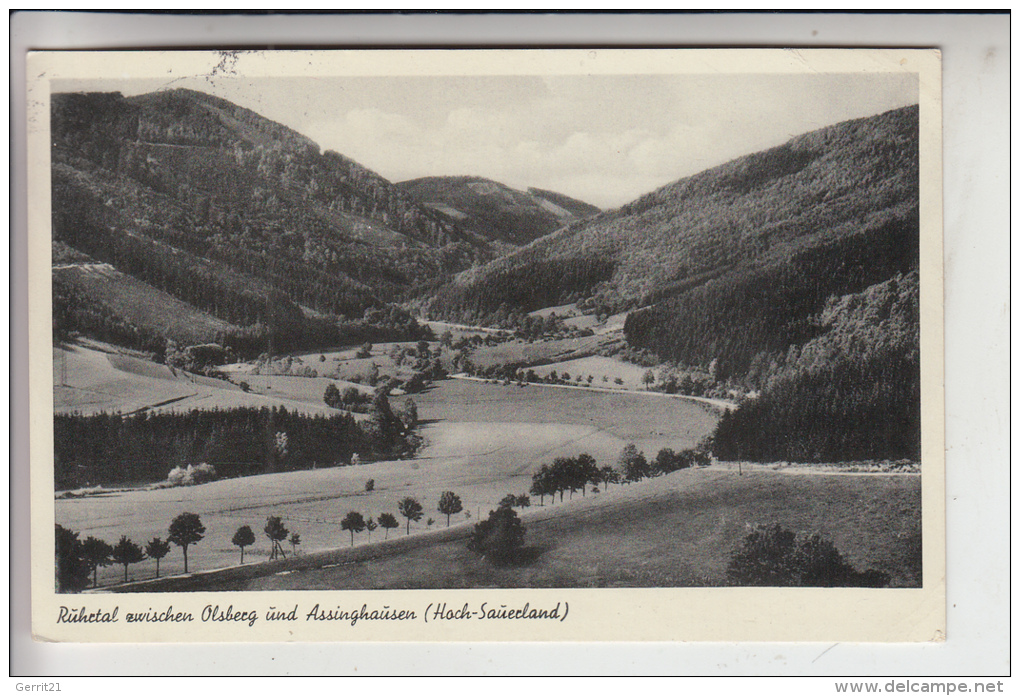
<point>460,345</point>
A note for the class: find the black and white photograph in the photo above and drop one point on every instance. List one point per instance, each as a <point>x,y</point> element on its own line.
<point>523,326</point>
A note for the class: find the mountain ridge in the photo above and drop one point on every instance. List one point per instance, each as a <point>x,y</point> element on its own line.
<point>822,198</point>
<point>496,210</point>
<point>239,216</point>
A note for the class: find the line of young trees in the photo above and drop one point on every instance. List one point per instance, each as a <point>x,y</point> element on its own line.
<point>78,559</point>
<point>409,508</point>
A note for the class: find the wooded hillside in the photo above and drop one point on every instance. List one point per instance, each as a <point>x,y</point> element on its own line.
<point>790,272</point>
<point>731,262</point>
<point>237,215</point>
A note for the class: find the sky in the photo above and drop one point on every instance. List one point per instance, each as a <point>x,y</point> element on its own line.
<point>604,139</point>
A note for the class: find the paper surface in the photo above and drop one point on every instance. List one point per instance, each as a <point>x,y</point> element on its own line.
<point>622,614</point>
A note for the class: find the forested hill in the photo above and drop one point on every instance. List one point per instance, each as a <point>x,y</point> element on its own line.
<point>213,180</point>
<point>734,261</point>
<point>496,211</point>
<point>226,210</point>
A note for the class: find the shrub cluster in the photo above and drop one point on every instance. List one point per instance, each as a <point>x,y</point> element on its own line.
<point>772,556</point>
<point>500,538</point>
<point>191,475</point>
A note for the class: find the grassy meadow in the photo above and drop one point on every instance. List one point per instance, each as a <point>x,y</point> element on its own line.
<point>674,531</point>
<point>88,380</point>
<point>482,441</point>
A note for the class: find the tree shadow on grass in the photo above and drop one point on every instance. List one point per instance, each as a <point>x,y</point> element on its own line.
<point>521,558</point>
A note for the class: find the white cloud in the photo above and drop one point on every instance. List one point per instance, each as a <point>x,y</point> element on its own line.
<point>605,140</point>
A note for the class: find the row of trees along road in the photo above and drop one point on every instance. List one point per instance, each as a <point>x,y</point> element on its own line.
<point>577,473</point>
<point>78,559</point>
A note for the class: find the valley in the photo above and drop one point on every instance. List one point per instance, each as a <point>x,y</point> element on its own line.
<point>248,327</point>
<point>481,440</point>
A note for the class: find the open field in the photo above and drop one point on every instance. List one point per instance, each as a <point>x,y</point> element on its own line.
<point>675,531</point>
<point>457,330</point>
<point>539,352</point>
<point>649,421</point>
<point>481,462</point>
<point>481,441</point>
<point>571,315</point>
<point>90,381</point>
<point>574,317</point>
<point>719,405</point>
<point>598,366</point>
<point>562,311</point>
<point>307,391</point>
<point>338,365</point>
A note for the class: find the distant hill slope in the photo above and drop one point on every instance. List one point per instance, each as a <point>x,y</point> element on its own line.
<point>730,262</point>
<point>791,271</point>
<point>133,302</point>
<point>229,211</point>
<point>496,211</point>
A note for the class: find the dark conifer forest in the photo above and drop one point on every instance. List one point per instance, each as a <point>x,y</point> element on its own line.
<point>114,449</point>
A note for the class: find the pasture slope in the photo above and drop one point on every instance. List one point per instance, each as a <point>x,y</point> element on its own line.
<point>482,441</point>
<point>87,380</point>
<point>674,531</point>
